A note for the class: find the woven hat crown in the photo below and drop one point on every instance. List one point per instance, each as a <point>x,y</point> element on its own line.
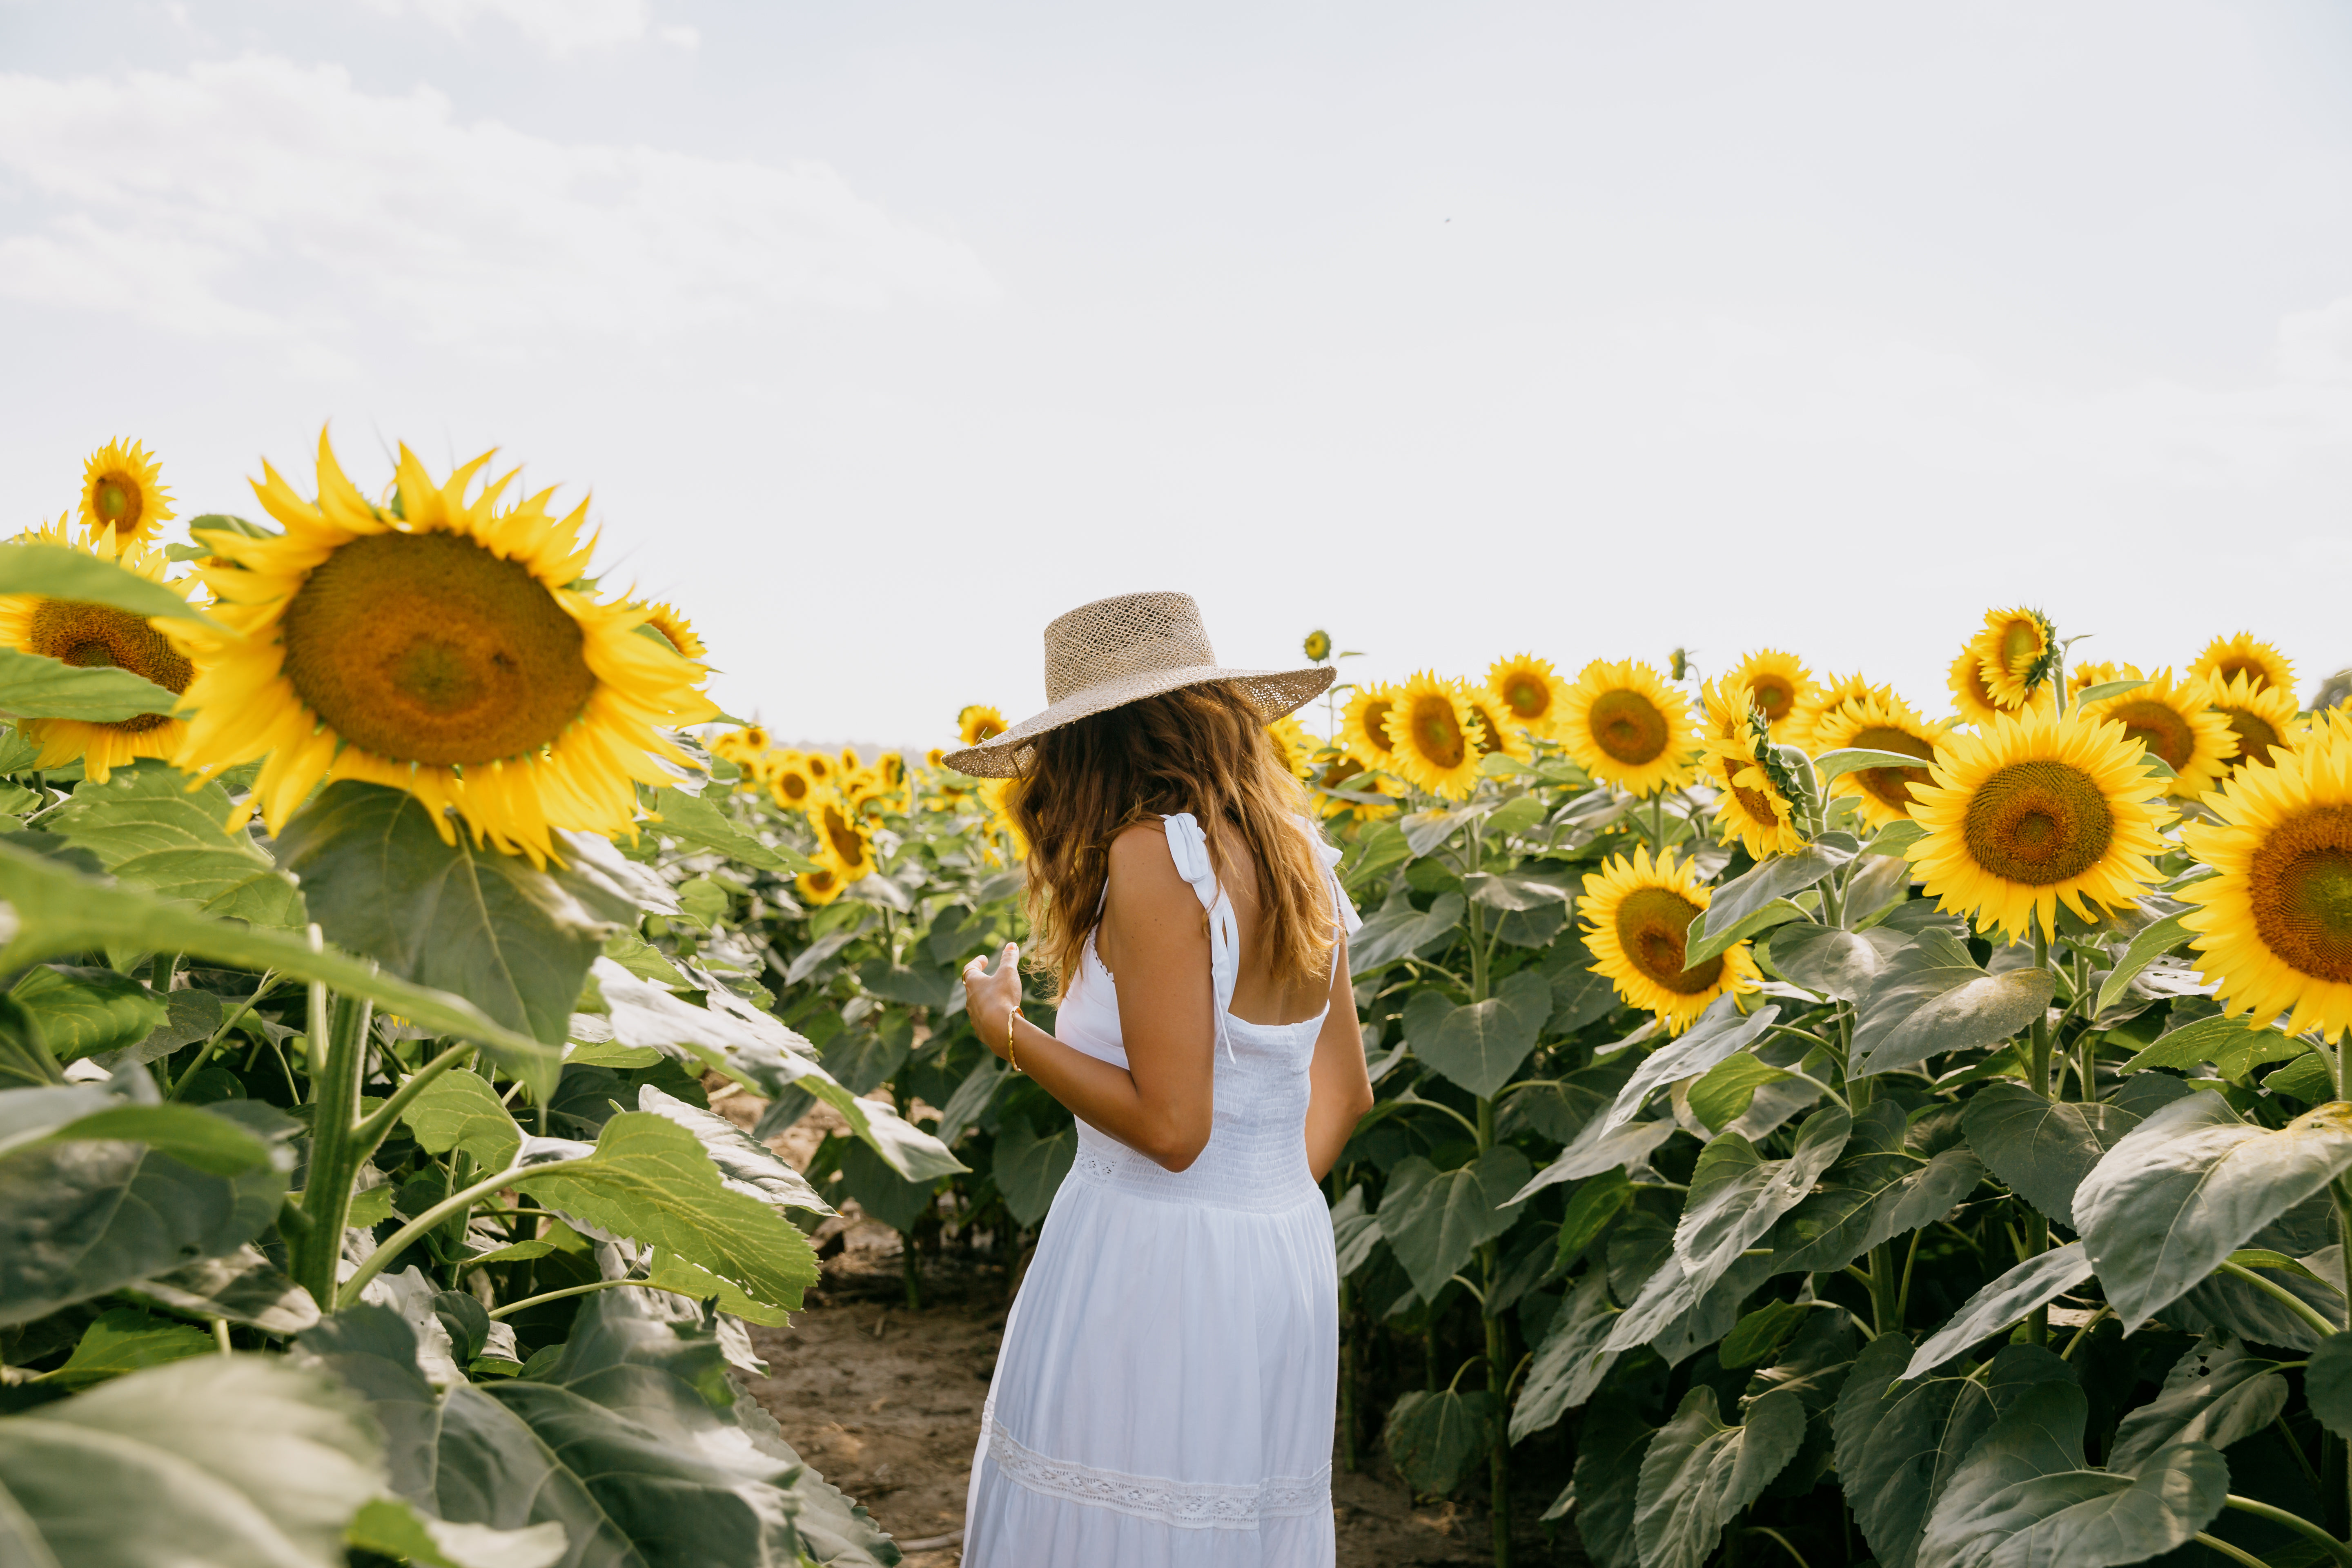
<point>1134,633</point>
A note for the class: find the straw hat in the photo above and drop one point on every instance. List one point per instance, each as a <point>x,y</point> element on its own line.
<point>1122,650</point>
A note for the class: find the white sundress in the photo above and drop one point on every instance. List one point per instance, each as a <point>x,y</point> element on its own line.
<point>1163,1396</point>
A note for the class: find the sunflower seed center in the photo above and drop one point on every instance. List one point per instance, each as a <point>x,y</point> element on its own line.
<point>2038,822</point>
<point>1527,697</point>
<point>1437,733</point>
<point>2255,736</point>
<point>2157,727</point>
<point>1892,786</point>
<point>1773,696</point>
<point>1651,925</point>
<point>118,503</point>
<point>1629,727</point>
<point>2301,886</point>
<point>99,637</point>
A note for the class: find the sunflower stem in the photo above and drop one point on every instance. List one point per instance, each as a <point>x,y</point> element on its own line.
<point>338,1046</point>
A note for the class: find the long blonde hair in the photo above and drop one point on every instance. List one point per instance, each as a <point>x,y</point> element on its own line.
<point>1200,749</point>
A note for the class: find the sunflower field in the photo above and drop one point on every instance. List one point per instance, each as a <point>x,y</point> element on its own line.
<point>1806,1131</point>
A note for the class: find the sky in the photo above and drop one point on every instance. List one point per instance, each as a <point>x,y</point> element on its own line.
<point>876,336</point>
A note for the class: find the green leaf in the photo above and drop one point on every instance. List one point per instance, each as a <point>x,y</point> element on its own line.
<point>1426,830</point>
<point>2026,1495</point>
<point>2216,1394</point>
<point>924,987</point>
<point>24,1058</point>
<point>746,1165</point>
<point>396,1528</point>
<point>1481,1046</point>
<point>2233,1047</point>
<point>2327,1383</point>
<point>1724,1092</point>
<point>243,1287</point>
<point>514,939</point>
<point>1761,1333</point>
<point>2308,1078</point>
<point>1830,765</point>
<point>1754,923</point>
<point>57,572</point>
<point>1877,1189</point>
<point>1898,1444</point>
<point>1607,1480</point>
<point>2190,1185</point>
<point>701,821</point>
<point>2032,1284</point>
<point>882,1193</point>
<point>81,1012</point>
<point>1772,880</point>
<point>214,1460</point>
<point>1514,816</point>
<point>60,912</point>
<point>1590,1208</point>
<point>1381,846</point>
<point>2146,947</point>
<point>190,1016</point>
<point>459,1110</point>
<point>208,1140</point>
<point>1830,961</point>
<point>2042,1149</point>
<point>671,1272</point>
<point>649,1179</point>
<point>32,687</point>
<point>1029,1169</point>
<point>1698,1474</point>
<point>1396,929</point>
<point>1930,998</point>
<point>1514,893</point>
<point>148,828</point>
<point>1571,1362</point>
<point>1720,1032</point>
<point>2107,688</point>
<point>124,1340</point>
<point>1435,1440</point>
<point>1896,837</point>
<point>1445,1219</point>
<point>1354,1233</point>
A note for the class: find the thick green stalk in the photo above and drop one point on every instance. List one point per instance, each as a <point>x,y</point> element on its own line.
<point>407,1235</point>
<point>1885,1282</point>
<point>339,1031</point>
<point>1498,1368</point>
<point>2037,1327</point>
<point>2293,1521</point>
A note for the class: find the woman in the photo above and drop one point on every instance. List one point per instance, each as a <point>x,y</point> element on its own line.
<point>1163,1397</point>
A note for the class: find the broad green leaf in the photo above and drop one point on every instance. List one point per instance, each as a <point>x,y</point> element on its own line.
<point>124,1340</point>
<point>1435,1440</point>
<point>1515,814</point>
<point>189,1016</point>
<point>1600,1147</point>
<point>1441,1222</point>
<point>57,572</point>
<point>395,1528</point>
<point>1831,765</point>
<point>675,1274</point>
<point>209,1140</point>
<point>32,687</point>
<point>511,938</point>
<point>1514,893</point>
<point>459,1110</point>
<point>1589,1210</point>
<point>1931,997</point>
<point>1029,1170</point>
<point>1896,837</point>
<point>2146,947</point>
<point>2327,1383</point>
<point>1481,1046</point>
<point>1898,1444</point>
<point>881,1192</point>
<point>2309,1077</point>
<point>2216,1394</point>
<point>2190,1185</point>
<point>1354,1233</point>
<point>1426,830</point>
<point>2032,1284</point>
<point>148,828</point>
<point>1719,1032</point>
<point>2105,689</point>
<point>923,988</point>
<point>1607,1480</point>
<point>81,1012</point>
<point>1698,1474</point>
<point>746,1166</point>
<point>650,1179</point>
<point>2026,1496</point>
<point>2042,1149</point>
<point>1877,1189</point>
<point>862,1059</point>
<point>60,912</point>
<point>214,1461</point>
<point>1397,929</point>
<point>1381,846</point>
<point>243,1287</point>
<point>1571,1362</point>
<point>1754,923</point>
<point>1761,1333</point>
<point>24,1058</point>
<point>970,1099</point>
<point>699,820</point>
<point>2233,1047</point>
<point>1724,1092</point>
<point>1773,879</point>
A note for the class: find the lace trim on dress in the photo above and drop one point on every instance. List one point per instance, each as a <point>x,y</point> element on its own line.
<point>1185,1505</point>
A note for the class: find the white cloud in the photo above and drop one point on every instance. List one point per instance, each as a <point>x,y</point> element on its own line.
<point>559,26</point>
<point>258,196</point>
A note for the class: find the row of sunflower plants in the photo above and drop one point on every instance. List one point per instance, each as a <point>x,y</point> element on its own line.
<point>360,1196</point>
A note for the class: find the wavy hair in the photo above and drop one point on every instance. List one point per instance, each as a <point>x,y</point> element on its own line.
<point>1200,749</point>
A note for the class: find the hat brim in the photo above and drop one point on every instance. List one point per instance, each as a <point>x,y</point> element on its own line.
<point>1274,692</point>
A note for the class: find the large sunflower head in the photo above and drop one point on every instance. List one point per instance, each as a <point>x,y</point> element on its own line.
<point>820,767</point>
<point>93,635</point>
<point>2172,721</point>
<point>2036,809</point>
<point>1340,769</point>
<point>441,645</point>
<point>978,722</point>
<point>842,839</point>
<point>1434,737</point>
<point>122,500</point>
<point>1973,702</point>
<point>1779,685</point>
<point>1297,746</point>
<point>1638,914</point>
<point>1751,806</point>
<point>2012,655</point>
<point>789,784</point>
<point>1364,727</point>
<point>2264,718</point>
<point>2275,925</point>
<point>1498,730</point>
<point>820,887</point>
<point>1880,723</point>
<point>2226,659</point>
<point>675,629</point>
<point>1625,726</point>
<point>1530,688</point>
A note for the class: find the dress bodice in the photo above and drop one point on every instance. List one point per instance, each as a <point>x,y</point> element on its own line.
<point>1255,1158</point>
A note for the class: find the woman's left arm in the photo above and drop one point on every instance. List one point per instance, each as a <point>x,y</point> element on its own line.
<point>1341,1090</point>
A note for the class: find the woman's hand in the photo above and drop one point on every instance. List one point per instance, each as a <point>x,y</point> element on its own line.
<point>990,999</point>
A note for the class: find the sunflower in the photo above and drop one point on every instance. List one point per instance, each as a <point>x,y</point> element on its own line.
<point>1779,685</point>
<point>996,794</point>
<point>121,498</point>
<point>1824,698</point>
<point>1498,730</point>
<point>1318,647</point>
<point>790,785</point>
<point>2036,809</point>
<point>1972,698</point>
<point>1624,726</point>
<point>2010,651</point>
<point>2226,659</point>
<point>677,630</point>
<point>820,887</point>
<point>438,647</point>
<point>2264,718</point>
<point>2275,926</point>
<point>2097,672</point>
<point>978,722</point>
<point>1340,770</point>
<point>2173,721</point>
<point>1530,688</point>
<point>1880,723</point>
<point>741,747</point>
<point>1433,736</point>
<point>1295,746</point>
<point>821,769</point>
<point>1637,915</point>
<point>1749,805</point>
<point>93,635</point>
<point>842,840</point>
<point>1363,726</point>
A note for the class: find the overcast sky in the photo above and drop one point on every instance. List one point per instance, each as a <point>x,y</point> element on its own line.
<point>883,332</point>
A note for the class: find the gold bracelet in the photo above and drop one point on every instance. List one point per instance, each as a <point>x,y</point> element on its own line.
<point>1011,1019</point>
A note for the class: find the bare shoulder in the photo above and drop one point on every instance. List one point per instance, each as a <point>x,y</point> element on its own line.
<point>1143,875</point>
